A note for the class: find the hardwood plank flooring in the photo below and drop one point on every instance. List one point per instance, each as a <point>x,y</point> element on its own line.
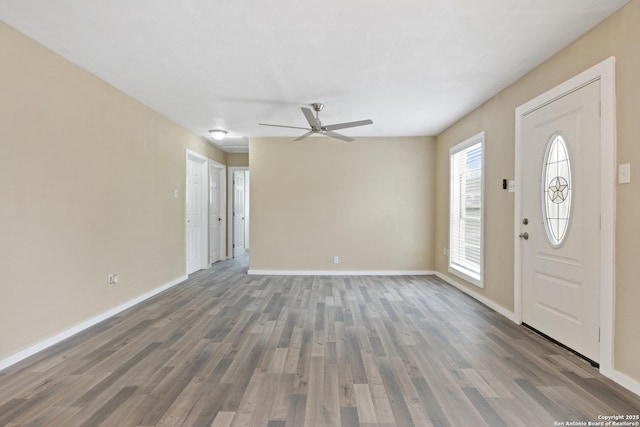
<point>224,349</point>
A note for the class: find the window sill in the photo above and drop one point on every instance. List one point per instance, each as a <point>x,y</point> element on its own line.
<point>467,275</point>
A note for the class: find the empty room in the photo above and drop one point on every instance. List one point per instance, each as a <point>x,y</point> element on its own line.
<point>414,213</point>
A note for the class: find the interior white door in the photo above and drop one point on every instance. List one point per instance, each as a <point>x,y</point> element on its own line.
<point>246,208</point>
<point>561,220</point>
<point>238,213</point>
<point>214,215</point>
<point>194,214</point>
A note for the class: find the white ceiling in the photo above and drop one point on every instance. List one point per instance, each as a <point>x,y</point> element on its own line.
<point>412,66</point>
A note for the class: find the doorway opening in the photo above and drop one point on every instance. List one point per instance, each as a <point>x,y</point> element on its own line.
<point>196,212</point>
<point>540,261</point>
<point>205,212</point>
<point>217,212</point>
<point>238,211</point>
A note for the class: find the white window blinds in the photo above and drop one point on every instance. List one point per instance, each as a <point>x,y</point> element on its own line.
<point>465,233</point>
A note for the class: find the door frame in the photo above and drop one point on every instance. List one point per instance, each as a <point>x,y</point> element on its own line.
<point>230,204</point>
<point>215,167</point>
<point>605,73</point>
<point>204,250</point>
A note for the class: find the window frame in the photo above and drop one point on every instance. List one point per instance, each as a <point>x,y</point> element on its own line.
<point>470,275</point>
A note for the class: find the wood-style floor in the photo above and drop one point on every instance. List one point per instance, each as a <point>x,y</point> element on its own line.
<point>227,349</point>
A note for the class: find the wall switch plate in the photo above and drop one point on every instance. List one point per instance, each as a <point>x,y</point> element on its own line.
<point>624,173</point>
<point>336,260</point>
<point>113,279</point>
<point>512,186</point>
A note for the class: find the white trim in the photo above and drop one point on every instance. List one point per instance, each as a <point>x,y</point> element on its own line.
<point>17,357</point>
<point>230,205</point>
<point>204,250</point>
<point>341,273</point>
<point>456,269</point>
<point>622,379</point>
<point>605,72</point>
<point>222,202</point>
<point>486,301</point>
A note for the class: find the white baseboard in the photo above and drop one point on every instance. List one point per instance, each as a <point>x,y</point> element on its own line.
<point>341,272</point>
<point>617,376</point>
<point>17,357</point>
<point>622,379</point>
<point>486,301</point>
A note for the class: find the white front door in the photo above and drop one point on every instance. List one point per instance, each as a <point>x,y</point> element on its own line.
<point>238,213</point>
<point>560,165</point>
<point>215,218</point>
<point>196,213</point>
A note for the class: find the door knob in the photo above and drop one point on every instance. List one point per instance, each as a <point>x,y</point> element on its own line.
<point>219,219</point>
<point>524,236</point>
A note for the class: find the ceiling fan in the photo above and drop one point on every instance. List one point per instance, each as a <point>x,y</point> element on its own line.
<point>316,125</point>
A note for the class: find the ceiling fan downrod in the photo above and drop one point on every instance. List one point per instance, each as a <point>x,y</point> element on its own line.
<point>317,107</point>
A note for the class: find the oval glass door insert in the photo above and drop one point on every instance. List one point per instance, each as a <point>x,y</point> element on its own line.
<point>557,191</point>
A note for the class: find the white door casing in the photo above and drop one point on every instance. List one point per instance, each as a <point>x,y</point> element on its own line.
<point>560,186</point>
<point>231,171</point>
<point>247,208</point>
<point>603,74</point>
<point>214,218</point>
<point>238,213</point>
<point>216,211</point>
<point>196,212</point>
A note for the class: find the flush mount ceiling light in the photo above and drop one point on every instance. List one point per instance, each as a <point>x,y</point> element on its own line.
<point>218,134</point>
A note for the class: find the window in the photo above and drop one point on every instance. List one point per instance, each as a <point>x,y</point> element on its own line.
<point>556,190</point>
<point>466,209</point>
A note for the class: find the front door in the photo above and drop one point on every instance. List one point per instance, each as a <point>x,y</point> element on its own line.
<point>561,220</point>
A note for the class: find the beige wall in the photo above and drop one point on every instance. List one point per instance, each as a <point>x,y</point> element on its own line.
<point>88,178</point>
<point>368,202</point>
<point>617,36</point>
<point>238,159</point>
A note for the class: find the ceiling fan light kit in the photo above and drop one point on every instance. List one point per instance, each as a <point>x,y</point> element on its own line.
<point>316,126</point>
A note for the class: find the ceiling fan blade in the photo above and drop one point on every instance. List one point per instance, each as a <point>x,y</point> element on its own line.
<point>337,136</point>
<point>282,126</point>
<point>348,125</point>
<point>300,138</point>
<point>313,122</point>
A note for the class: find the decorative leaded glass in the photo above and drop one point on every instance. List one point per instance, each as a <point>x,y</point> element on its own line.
<point>557,191</point>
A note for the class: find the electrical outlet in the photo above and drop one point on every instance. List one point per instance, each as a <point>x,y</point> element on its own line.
<point>336,260</point>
